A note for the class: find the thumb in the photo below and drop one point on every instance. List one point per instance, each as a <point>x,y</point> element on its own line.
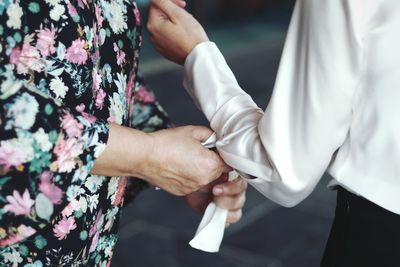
<point>171,9</point>
<point>200,133</point>
<point>180,3</point>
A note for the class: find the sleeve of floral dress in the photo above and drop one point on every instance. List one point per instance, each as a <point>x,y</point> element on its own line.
<point>146,115</point>
<point>46,152</point>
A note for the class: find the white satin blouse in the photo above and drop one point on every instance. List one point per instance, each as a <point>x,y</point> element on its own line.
<point>335,104</point>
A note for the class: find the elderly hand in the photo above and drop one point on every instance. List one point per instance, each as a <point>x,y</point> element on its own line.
<point>230,195</point>
<point>173,31</point>
<point>172,159</point>
<point>179,163</point>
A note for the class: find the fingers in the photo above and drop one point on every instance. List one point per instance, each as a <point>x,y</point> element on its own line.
<point>172,10</point>
<point>199,133</point>
<point>230,188</point>
<point>222,167</point>
<point>180,3</point>
<point>233,217</point>
<point>231,203</point>
<point>231,196</point>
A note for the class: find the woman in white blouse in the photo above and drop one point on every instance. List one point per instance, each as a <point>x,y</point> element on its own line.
<point>335,107</point>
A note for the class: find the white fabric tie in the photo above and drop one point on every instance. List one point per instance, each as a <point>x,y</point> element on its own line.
<point>211,230</point>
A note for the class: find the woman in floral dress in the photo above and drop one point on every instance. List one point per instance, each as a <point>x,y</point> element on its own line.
<point>69,79</point>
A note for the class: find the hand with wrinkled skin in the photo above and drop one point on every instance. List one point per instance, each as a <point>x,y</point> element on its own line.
<point>171,159</point>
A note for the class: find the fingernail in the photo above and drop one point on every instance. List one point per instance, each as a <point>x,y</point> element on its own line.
<point>217,190</point>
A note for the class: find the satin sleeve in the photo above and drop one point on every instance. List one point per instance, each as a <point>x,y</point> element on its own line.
<point>284,150</point>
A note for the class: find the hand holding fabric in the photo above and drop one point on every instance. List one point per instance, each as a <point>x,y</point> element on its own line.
<point>173,159</point>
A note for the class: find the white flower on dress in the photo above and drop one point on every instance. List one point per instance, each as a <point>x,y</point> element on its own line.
<point>155,120</point>
<point>14,12</point>
<point>9,87</point>
<point>116,109</point>
<point>13,257</point>
<point>94,182</point>
<point>73,191</point>
<point>112,188</point>
<point>52,2</point>
<point>121,83</point>
<point>83,205</point>
<point>99,149</point>
<point>116,16</point>
<point>58,87</point>
<point>42,139</point>
<point>24,111</point>
<point>56,12</point>
<point>14,152</point>
<point>93,201</point>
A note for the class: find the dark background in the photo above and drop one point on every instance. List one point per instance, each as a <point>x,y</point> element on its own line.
<point>157,227</point>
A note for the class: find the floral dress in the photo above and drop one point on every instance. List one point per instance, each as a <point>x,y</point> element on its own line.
<point>67,69</point>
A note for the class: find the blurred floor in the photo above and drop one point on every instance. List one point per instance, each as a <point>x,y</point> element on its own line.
<point>156,228</point>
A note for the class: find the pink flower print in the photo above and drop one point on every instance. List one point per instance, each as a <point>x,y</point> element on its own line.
<point>15,55</point>
<point>96,55</point>
<point>108,224</point>
<point>93,229</point>
<point>72,127</point>
<point>76,53</point>
<point>49,189</point>
<point>26,59</point>
<point>120,191</point>
<point>67,151</point>
<point>19,205</point>
<point>99,18</point>
<point>81,109</point>
<point>120,58</point>
<point>96,80</point>
<point>95,241</point>
<point>120,55</point>
<point>129,86</point>
<point>136,12</point>
<point>10,155</point>
<point>72,10</point>
<point>115,46</point>
<point>82,3</point>
<point>70,208</point>
<point>23,232</point>
<point>64,227</point>
<point>111,119</point>
<point>100,99</point>
<point>46,41</point>
<point>145,95</point>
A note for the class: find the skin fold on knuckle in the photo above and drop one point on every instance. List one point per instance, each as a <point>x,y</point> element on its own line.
<point>225,202</point>
<point>242,201</point>
<point>237,203</point>
<point>211,166</point>
<point>234,216</point>
<point>241,186</point>
<point>149,25</point>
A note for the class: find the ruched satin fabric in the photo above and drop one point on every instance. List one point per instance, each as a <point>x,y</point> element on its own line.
<point>335,105</point>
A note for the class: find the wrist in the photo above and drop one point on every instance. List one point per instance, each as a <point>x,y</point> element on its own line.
<point>141,158</point>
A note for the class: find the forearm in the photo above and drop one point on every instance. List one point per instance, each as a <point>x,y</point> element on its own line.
<point>172,159</point>
<point>126,152</point>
